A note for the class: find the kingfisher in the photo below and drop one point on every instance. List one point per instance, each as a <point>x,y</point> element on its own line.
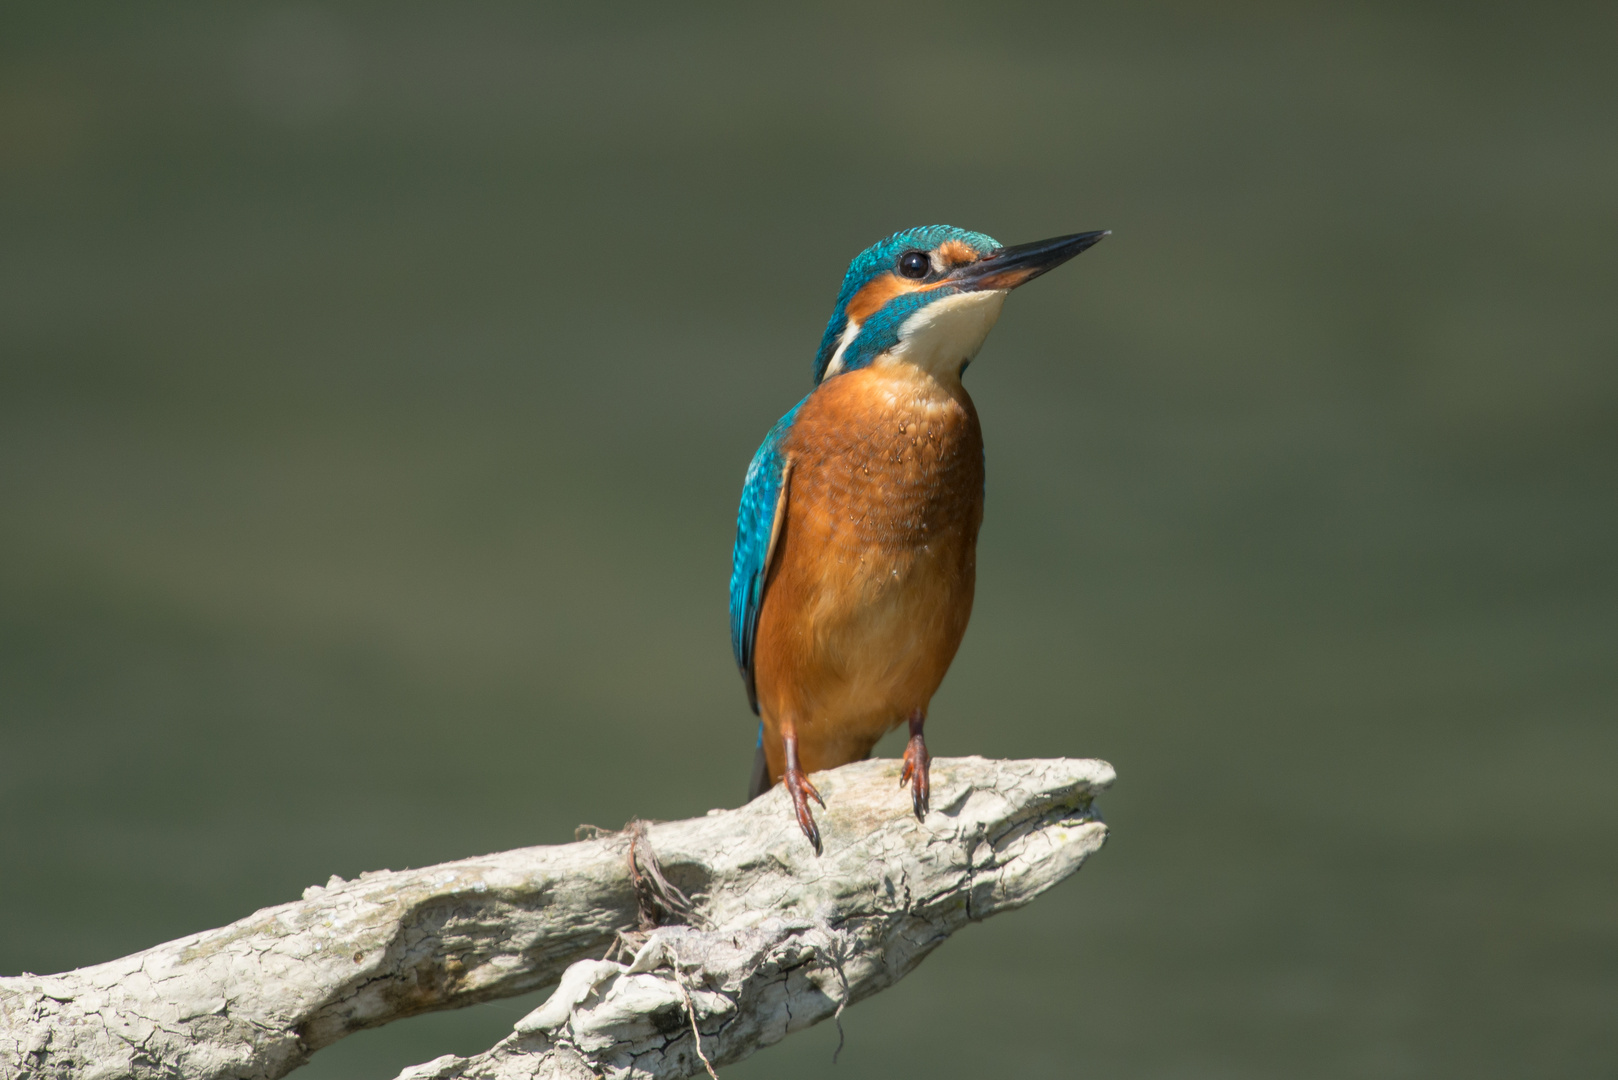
<point>856,539</point>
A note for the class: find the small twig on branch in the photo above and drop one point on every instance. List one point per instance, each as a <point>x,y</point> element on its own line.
<point>767,938</point>
<point>659,901</point>
<point>691,1011</point>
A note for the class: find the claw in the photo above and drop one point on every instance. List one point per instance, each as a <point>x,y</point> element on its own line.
<point>801,790</point>
<point>917,767</point>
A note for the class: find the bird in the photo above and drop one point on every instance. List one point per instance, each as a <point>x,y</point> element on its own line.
<point>855,559</point>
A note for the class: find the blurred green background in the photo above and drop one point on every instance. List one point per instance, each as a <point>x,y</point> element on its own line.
<point>377,383</point>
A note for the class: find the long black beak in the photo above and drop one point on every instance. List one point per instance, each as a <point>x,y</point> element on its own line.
<point>1013,266</point>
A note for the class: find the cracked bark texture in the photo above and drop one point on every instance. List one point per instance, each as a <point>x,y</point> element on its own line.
<point>776,940</point>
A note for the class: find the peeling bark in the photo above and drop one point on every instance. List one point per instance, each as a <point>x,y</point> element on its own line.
<point>773,939</point>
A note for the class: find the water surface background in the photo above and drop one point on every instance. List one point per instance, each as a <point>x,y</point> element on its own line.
<point>376,384</point>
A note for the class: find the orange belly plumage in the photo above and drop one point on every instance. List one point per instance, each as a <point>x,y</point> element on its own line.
<point>871,585</point>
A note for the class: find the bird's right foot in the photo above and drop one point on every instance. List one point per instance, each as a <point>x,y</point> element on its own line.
<point>801,790</point>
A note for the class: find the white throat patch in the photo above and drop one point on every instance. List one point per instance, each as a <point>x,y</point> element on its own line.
<point>943,336</point>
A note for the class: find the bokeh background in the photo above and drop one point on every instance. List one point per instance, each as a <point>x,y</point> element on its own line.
<point>377,383</point>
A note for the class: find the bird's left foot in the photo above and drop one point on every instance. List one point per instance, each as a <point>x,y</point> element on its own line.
<point>918,763</point>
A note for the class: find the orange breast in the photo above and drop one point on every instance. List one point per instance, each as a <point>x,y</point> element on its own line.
<point>871,587</point>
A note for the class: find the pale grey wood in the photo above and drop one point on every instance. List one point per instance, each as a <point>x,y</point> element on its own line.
<point>777,938</point>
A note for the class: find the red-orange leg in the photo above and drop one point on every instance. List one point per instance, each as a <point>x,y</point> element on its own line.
<point>918,764</point>
<point>801,790</point>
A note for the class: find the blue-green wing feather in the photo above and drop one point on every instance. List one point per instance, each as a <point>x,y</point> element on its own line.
<point>755,520</point>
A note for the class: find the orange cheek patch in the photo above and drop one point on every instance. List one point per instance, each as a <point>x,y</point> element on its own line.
<point>877,292</point>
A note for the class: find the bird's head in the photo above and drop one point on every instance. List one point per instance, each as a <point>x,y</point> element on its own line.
<point>929,296</point>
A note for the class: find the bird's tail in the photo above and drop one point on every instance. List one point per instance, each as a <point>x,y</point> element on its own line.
<point>760,783</point>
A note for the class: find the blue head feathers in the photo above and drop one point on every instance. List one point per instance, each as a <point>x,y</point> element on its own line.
<point>886,284</point>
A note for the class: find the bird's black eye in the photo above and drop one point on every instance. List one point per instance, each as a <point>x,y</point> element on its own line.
<point>914,264</point>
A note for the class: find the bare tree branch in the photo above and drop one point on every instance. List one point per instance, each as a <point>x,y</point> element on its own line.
<point>772,939</point>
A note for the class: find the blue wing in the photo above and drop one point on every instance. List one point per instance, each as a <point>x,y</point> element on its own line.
<point>756,526</point>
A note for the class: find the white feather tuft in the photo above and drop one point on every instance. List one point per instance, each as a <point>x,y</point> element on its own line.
<point>835,365</point>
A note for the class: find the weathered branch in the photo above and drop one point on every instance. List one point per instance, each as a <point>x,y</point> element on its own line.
<point>774,939</point>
